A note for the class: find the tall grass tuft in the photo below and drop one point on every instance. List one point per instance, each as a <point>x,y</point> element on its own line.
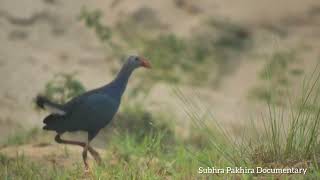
<point>285,136</point>
<point>291,135</point>
<point>218,138</point>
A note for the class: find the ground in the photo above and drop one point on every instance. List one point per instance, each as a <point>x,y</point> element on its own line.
<point>40,38</point>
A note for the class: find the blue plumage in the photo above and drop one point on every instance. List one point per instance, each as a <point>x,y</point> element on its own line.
<point>94,109</point>
<point>90,111</point>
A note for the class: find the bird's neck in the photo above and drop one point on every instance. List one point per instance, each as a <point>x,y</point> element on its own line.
<point>121,80</point>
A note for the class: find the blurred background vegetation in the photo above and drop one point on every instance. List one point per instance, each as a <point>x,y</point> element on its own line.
<point>232,84</point>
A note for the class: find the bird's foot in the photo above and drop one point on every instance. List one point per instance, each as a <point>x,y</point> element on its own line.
<point>86,166</point>
<point>87,170</point>
<point>96,156</point>
<point>98,160</point>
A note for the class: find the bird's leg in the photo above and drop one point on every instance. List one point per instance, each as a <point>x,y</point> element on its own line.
<point>82,144</point>
<point>94,153</point>
<point>61,141</point>
<point>84,156</point>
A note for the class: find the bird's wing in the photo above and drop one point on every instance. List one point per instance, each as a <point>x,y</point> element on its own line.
<point>93,110</point>
<point>74,102</point>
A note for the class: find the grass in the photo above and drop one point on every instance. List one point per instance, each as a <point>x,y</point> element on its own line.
<point>62,87</point>
<point>92,20</point>
<point>277,77</point>
<point>134,119</point>
<point>128,158</point>
<point>22,137</point>
<point>144,146</point>
<point>290,137</point>
<point>200,60</point>
<point>293,137</point>
<point>285,140</point>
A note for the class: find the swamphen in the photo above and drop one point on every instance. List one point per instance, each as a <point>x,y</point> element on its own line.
<point>90,111</point>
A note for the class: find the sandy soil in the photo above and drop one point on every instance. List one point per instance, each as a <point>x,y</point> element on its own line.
<point>49,154</point>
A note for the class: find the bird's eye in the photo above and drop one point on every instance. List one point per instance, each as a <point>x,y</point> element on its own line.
<point>136,58</point>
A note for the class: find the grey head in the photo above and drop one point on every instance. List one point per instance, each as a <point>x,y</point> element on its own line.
<point>134,62</point>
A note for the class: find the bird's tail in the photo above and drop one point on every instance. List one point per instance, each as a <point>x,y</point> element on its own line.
<point>53,122</point>
<point>44,103</point>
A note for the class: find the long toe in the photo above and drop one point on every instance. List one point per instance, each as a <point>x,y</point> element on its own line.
<point>87,171</point>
